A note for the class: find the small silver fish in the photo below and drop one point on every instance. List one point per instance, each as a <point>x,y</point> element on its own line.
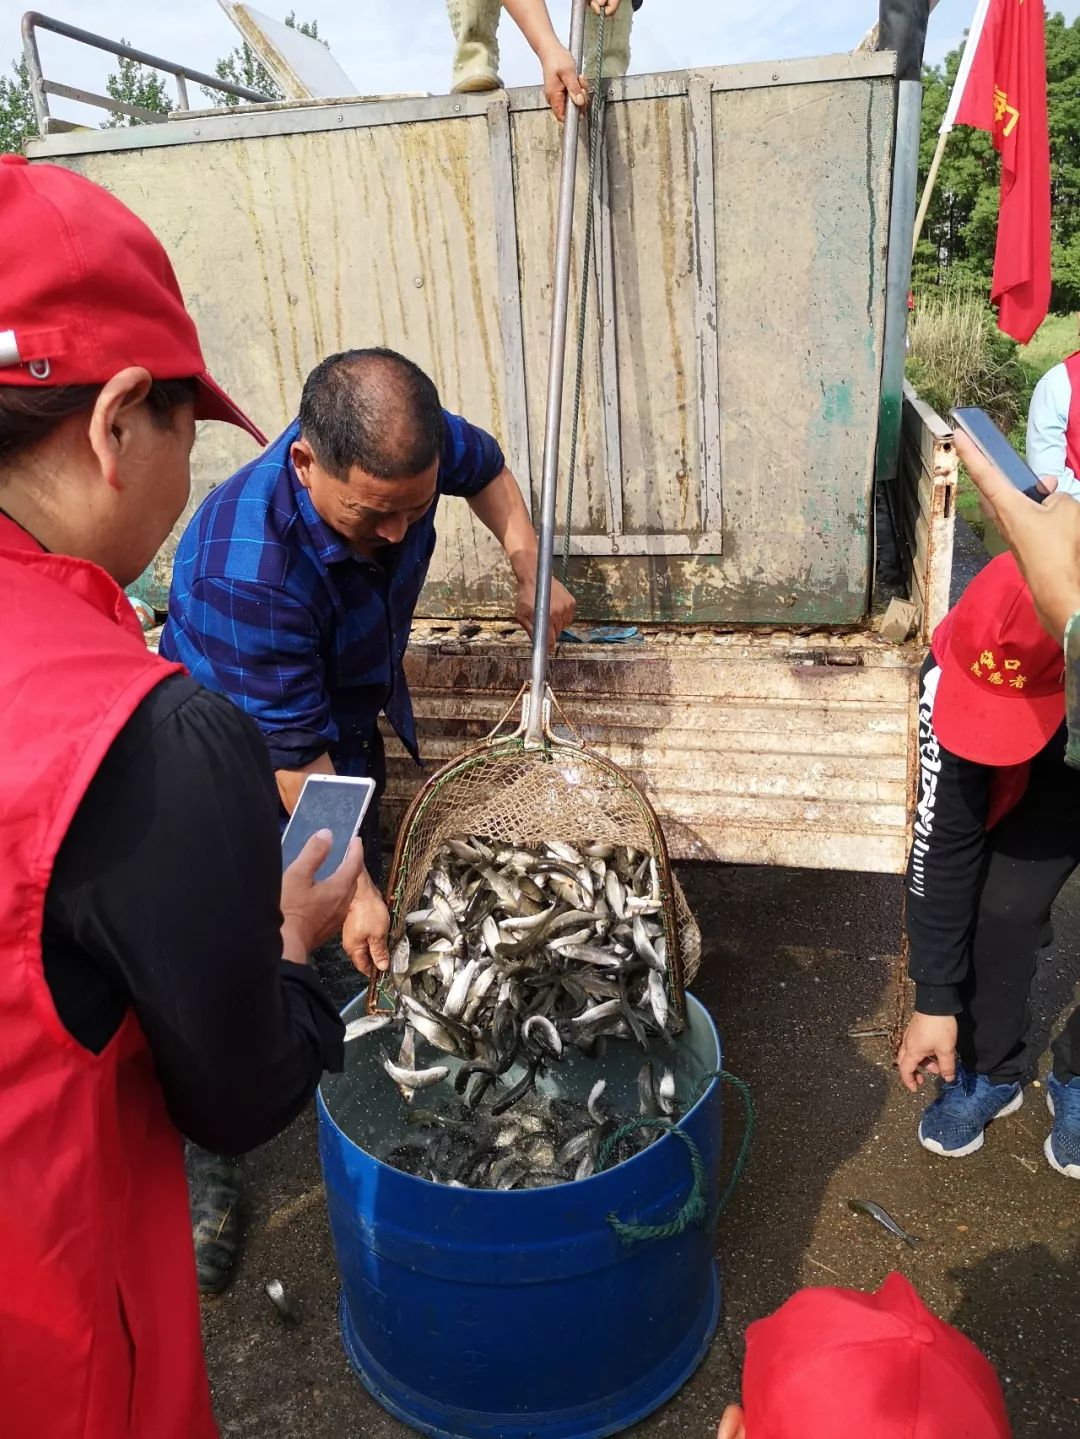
<point>399,959</point>
<point>658,999</point>
<point>665,1093</point>
<point>576,1146</point>
<point>489,933</point>
<point>644,945</point>
<point>407,1053</point>
<point>366,1024</point>
<point>422,962</point>
<point>479,991</point>
<point>547,1035</point>
<point>415,1078</point>
<point>428,1026</point>
<point>458,993</point>
<point>590,954</point>
<point>597,1013</point>
<point>884,1218</point>
<point>275,1292</point>
<point>615,894</point>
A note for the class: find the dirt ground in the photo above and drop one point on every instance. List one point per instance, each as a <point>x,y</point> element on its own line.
<point>793,961</point>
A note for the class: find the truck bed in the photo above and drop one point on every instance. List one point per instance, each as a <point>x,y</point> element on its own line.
<point>757,745</point>
<point>763,747</point>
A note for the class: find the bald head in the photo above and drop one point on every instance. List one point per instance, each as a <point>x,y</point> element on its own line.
<point>373,411</point>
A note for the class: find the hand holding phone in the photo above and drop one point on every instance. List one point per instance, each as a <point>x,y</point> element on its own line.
<point>313,911</point>
<point>980,428</point>
<point>337,802</point>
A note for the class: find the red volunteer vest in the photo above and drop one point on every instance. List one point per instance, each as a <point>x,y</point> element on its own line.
<point>1072,429</point>
<point>99,1313</point>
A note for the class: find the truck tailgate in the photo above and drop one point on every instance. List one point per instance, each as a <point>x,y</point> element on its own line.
<point>755,747</point>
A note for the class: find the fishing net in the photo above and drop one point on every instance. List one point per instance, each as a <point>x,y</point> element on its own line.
<point>513,789</point>
<point>507,793</point>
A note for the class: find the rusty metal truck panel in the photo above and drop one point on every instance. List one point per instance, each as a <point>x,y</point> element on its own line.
<point>732,374</point>
<point>754,747</point>
<point>924,507</point>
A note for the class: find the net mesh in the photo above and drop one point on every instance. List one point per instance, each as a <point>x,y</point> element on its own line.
<point>506,793</point>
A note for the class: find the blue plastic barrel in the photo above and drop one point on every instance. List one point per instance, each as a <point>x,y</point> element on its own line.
<point>477,1313</point>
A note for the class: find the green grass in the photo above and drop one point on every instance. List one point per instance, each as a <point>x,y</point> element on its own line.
<point>1055,338</point>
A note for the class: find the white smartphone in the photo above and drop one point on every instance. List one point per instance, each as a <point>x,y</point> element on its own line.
<point>337,802</point>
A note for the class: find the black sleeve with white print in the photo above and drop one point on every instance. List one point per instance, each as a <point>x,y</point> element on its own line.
<point>944,873</point>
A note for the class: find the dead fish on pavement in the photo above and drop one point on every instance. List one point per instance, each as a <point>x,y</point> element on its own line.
<point>884,1218</point>
<point>275,1292</point>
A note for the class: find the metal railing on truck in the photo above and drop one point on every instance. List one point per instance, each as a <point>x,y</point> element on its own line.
<point>41,89</point>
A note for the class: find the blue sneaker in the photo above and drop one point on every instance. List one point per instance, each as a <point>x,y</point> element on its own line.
<point>954,1124</point>
<point>1062,1147</point>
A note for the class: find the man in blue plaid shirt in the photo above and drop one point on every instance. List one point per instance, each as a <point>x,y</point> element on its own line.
<point>293,594</point>
<point>295,583</point>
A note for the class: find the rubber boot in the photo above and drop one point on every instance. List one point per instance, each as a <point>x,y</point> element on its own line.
<point>215,1189</point>
<point>475,24</point>
<point>616,42</point>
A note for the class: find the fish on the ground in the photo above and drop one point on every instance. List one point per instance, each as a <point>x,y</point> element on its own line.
<point>884,1218</point>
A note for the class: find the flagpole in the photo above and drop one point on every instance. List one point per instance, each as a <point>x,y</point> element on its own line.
<point>967,59</point>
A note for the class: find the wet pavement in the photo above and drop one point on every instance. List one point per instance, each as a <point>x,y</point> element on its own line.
<point>793,961</point>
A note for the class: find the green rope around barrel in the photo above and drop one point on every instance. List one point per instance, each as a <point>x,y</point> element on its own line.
<point>694,1211</point>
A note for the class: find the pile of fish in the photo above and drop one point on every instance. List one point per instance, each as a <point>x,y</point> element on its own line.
<point>513,957</point>
<point>545,1140</point>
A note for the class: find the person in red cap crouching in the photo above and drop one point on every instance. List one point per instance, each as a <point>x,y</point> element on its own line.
<point>996,835</point>
<point>837,1364</point>
<point>153,961</point>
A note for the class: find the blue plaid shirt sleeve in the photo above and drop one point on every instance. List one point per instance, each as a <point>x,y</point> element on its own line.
<point>471,458</point>
<point>262,646</point>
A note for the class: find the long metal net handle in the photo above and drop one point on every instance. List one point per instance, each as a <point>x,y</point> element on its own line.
<point>596,132</point>
<point>534,737</point>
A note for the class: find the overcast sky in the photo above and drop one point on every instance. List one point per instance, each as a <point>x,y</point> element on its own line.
<point>381,54</point>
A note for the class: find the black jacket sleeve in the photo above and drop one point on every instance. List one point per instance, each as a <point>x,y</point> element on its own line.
<point>165,896</point>
<point>944,873</point>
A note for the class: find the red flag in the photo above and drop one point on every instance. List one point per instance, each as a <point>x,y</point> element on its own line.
<point>1005,94</point>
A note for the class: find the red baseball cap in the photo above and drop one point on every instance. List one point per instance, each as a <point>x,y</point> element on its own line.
<point>838,1364</point>
<point>88,289</point>
<point>1001,693</point>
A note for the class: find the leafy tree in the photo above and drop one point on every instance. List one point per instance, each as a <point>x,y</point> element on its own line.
<point>134,84</point>
<point>960,233</point>
<point>17,119</point>
<point>243,67</point>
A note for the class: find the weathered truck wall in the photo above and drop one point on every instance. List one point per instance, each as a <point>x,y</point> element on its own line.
<point>731,377</point>
<point>754,748</point>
